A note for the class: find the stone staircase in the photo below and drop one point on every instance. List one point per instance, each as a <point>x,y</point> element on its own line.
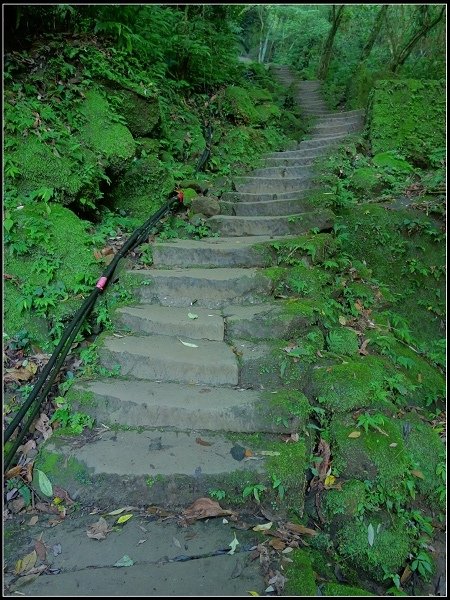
<point>191,353</point>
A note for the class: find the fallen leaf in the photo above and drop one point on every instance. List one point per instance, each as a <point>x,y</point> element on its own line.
<point>406,575</point>
<point>268,453</point>
<point>263,527</point>
<point>233,545</point>
<point>342,320</point>
<point>43,425</point>
<point>29,472</point>
<point>277,544</point>
<point>287,550</point>
<point>107,251</point>
<point>188,344</point>
<point>417,474</point>
<point>354,434</point>
<point>141,542</point>
<point>26,448</point>
<point>63,494</point>
<point>26,563</point>
<point>99,530</point>
<point>41,549</point>
<point>277,582</point>
<point>14,472</point>
<point>113,513</point>
<point>253,593</point>
<point>125,561</point>
<point>202,442</point>
<point>329,481</point>
<point>123,519</point>
<point>248,453</point>
<point>17,505</point>
<point>23,581</point>
<point>33,521</point>
<point>56,549</point>
<point>21,374</point>
<point>204,508</point>
<point>370,534</point>
<point>176,542</point>
<point>301,529</point>
<point>363,350</point>
<point>192,316</point>
<point>44,483</point>
<point>393,445</point>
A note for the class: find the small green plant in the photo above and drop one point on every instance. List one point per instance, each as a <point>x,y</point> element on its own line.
<point>72,422</point>
<point>217,494</point>
<point>375,421</point>
<point>423,564</point>
<point>255,489</point>
<point>277,485</point>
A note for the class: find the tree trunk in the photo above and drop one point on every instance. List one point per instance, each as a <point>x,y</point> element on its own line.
<point>327,50</point>
<point>409,46</point>
<point>374,34</point>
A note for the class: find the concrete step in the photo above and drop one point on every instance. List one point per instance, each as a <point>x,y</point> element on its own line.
<point>282,172</point>
<point>341,128</point>
<point>324,142</point>
<point>138,403</point>
<point>267,208</point>
<point>170,320</point>
<point>327,136</point>
<point>210,252</point>
<point>342,115</point>
<point>305,161</point>
<point>87,570</point>
<point>250,197</point>
<point>311,101</point>
<point>166,358</point>
<point>283,225</point>
<point>324,121</point>
<point>213,288</point>
<point>168,468</point>
<point>306,153</point>
<point>257,185</point>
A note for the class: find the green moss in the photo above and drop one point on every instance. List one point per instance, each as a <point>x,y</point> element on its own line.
<point>143,187</point>
<point>59,469</point>
<point>104,136</point>
<point>141,113</point>
<point>315,248</point>
<point>344,501</point>
<point>426,450</point>
<point>390,550</point>
<point>366,180</point>
<point>300,575</point>
<point>370,456</point>
<point>288,405</point>
<point>338,589</point>
<point>352,384</point>
<point>341,340</point>
<point>80,398</point>
<point>408,115</point>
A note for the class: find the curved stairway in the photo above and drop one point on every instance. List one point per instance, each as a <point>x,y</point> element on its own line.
<point>190,367</point>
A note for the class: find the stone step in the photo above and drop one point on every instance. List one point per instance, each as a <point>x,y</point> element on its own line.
<point>168,468</point>
<point>327,136</point>
<point>170,320</point>
<point>341,115</point>
<point>262,185</point>
<point>324,121</point>
<point>166,358</point>
<point>267,208</point>
<point>139,403</point>
<point>279,225</point>
<point>306,161</point>
<point>312,101</point>
<point>201,287</point>
<point>324,142</point>
<point>88,571</point>
<point>265,321</point>
<point>307,153</point>
<point>282,172</point>
<point>210,252</point>
<point>250,197</point>
<point>330,129</point>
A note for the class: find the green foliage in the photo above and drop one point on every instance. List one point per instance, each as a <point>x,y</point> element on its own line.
<point>71,422</point>
<point>256,490</point>
<point>342,341</point>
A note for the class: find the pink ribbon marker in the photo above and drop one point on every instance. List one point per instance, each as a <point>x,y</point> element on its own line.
<point>101,283</point>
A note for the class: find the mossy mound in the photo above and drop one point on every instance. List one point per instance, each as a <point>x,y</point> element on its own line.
<point>300,575</point>
<point>351,385</point>
<point>344,502</point>
<point>407,115</point>
<point>338,589</point>
<point>342,340</point>
<point>143,187</point>
<point>290,406</point>
<point>69,242</point>
<point>112,140</point>
<point>373,456</point>
<point>248,106</point>
<point>366,181</point>
<point>391,545</point>
<point>142,113</point>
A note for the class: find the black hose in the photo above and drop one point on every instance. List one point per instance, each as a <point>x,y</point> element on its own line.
<point>65,343</point>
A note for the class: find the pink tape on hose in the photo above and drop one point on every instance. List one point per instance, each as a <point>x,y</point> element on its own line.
<point>101,283</point>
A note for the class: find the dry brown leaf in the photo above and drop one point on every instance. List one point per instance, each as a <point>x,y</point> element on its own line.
<point>354,434</point>
<point>202,442</point>
<point>99,530</point>
<point>417,474</point>
<point>26,563</point>
<point>406,575</point>
<point>26,448</point>
<point>277,544</point>
<point>204,508</point>
<point>29,472</point>
<point>17,505</point>
<point>21,374</point>
<point>33,520</point>
<point>248,453</point>
<point>61,493</point>
<point>41,549</point>
<point>300,529</point>
<point>325,453</point>
<point>43,426</point>
<point>14,472</point>
<point>363,350</point>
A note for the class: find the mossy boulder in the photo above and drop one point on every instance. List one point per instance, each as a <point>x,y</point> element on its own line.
<point>143,187</point>
<point>142,114</point>
<point>379,456</point>
<point>103,134</point>
<point>248,106</point>
<point>366,181</point>
<point>352,384</point>
<point>407,115</point>
<point>338,589</point>
<point>206,205</point>
<point>301,580</point>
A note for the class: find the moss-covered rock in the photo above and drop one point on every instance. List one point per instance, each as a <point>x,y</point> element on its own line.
<point>338,589</point>
<point>112,140</point>
<point>374,456</point>
<point>407,115</point>
<point>344,502</point>
<point>248,106</point>
<point>342,340</point>
<point>391,545</point>
<point>143,187</point>
<point>142,113</point>
<point>300,575</point>
<point>353,384</point>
